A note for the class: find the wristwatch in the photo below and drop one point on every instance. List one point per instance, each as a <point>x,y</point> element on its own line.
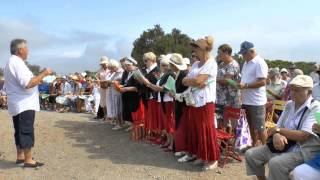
<point>277,130</point>
<point>246,86</point>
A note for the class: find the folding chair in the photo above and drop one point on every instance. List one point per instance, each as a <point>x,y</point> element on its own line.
<point>275,105</point>
<point>227,140</point>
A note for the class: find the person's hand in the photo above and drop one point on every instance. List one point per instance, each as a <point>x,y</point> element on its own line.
<point>279,141</point>
<point>316,128</point>
<point>241,85</point>
<point>171,94</point>
<point>202,85</point>
<point>48,71</point>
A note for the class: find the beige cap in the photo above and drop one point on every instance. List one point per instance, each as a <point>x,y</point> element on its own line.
<point>302,81</point>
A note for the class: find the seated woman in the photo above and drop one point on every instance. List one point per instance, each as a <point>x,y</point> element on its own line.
<point>86,98</point>
<point>311,169</point>
<point>64,91</point>
<point>75,92</point>
<point>291,142</point>
<point>3,95</point>
<point>276,87</point>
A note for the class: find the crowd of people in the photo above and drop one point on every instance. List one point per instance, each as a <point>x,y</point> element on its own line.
<point>173,101</point>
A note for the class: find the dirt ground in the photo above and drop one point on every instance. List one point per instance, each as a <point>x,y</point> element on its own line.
<point>74,146</point>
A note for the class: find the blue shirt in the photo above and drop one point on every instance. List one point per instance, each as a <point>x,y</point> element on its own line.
<point>44,88</point>
<point>315,162</point>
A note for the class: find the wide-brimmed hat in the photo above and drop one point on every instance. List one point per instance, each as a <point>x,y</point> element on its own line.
<point>104,60</point>
<point>284,70</point>
<point>187,61</point>
<point>74,77</point>
<point>177,60</point>
<point>302,81</point>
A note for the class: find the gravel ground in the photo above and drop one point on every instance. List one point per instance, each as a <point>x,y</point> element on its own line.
<point>73,146</point>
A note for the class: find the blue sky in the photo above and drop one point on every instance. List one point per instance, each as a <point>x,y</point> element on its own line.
<point>71,35</point>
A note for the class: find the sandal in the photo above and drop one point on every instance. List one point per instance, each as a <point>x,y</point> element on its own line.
<point>36,165</point>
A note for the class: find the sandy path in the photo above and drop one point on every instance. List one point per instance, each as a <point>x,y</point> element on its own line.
<point>75,147</point>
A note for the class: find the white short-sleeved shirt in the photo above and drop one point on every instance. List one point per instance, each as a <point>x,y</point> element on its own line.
<point>290,118</point>
<point>66,88</point>
<point>17,76</point>
<point>251,71</point>
<point>208,93</point>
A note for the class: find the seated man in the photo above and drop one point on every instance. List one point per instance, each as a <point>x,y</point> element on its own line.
<point>287,147</point>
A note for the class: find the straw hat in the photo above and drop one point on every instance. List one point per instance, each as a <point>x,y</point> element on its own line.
<point>284,70</point>
<point>187,61</point>
<point>302,81</point>
<point>104,60</point>
<point>177,60</point>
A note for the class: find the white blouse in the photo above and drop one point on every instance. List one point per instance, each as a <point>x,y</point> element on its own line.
<point>208,93</point>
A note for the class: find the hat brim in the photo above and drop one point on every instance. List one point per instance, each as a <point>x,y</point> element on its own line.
<point>243,51</point>
<point>181,67</point>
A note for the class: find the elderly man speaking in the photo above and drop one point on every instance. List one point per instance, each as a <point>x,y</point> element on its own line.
<point>23,100</point>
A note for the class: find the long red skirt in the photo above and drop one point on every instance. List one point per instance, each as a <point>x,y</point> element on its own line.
<point>204,135</point>
<point>151,118</point>
<point>169,122</point>
<point>138,117</point>
<point>180,136</point>
<point>166,119</point>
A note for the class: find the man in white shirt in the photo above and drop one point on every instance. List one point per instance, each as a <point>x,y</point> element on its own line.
<point>293,141</point>
<point>253,84</point>
<point>23,100</point>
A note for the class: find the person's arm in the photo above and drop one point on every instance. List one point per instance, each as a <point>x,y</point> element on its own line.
<point>295,135</point>
<point>36,80</point>
<point>128,89</point>
<point>196,81</point>
<point>274,94</point>
<point>257,84</point>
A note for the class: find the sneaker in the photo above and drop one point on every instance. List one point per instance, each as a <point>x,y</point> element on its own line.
<point>117,127</point>
<point>210,166</point>
<point>129,128</point>
<point>179,154</point>
<point>186,158</point>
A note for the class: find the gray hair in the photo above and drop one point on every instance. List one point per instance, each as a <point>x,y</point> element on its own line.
<point>16,44</point>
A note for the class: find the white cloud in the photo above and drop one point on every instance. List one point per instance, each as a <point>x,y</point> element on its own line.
<point>72,51</point>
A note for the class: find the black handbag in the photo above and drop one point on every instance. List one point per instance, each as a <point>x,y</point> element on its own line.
<point>290,142</point>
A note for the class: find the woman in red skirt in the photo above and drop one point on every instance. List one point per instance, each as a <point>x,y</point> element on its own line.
<point>151,73</point>
<point>202,81</point>
<point>166,122</point>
